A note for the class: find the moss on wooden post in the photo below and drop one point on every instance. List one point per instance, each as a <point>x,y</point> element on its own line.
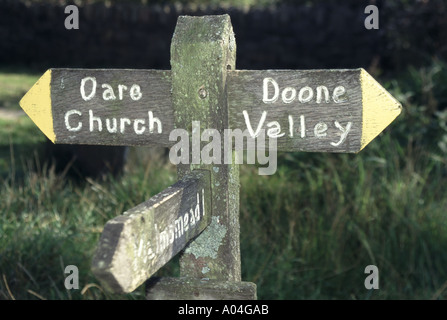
<point>202,50</point>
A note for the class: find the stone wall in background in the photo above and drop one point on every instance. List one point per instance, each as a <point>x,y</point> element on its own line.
<point>325,35</point>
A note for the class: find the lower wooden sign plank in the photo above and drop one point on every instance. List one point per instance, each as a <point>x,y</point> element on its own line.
<point>310,110</point>
<point>198,289</point>
<point>135,245</point>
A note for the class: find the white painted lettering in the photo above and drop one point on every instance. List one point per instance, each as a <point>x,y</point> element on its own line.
<point>67,123</point>
<point>135,92</point>
<point>92,92</point>
<point>203,202</point>
<point>111,128</point>
<point>344,132</point>
<point>274,132</point>
<point>254,134</point>
<point>320,130</point>
<point>192,219</point>
<point>95,123</point>
<point>288,97</point>
<point>108,94</point>
<point>265,96</point>
<point>310,94</point>
<point>171,234</point>
<point>139,129</point>
<point>338,93</point>
<point>121,88</point>
<point>303,126</point>
<point>197,209</point>
<point>177,228</point>
<point>154,121</point>
<point>92,120</point>
<point>123,122</point>
<point>271,91</point>
<point>320,90</point>
<point>290,126</point>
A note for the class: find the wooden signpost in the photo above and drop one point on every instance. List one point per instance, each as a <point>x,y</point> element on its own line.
<point>313,110</point>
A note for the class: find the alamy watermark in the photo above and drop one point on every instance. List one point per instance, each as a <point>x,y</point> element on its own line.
<point>72,280</point>
<point>372,20</point>
<point>72,20</point>
<point>372,281</point>
<point>209,147</point>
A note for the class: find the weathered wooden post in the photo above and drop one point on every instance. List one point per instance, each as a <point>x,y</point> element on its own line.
<point>203,50</point>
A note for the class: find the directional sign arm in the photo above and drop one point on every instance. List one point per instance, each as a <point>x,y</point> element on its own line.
<point>135,245</point>
<point>102,106</point>
<point>310,110</point>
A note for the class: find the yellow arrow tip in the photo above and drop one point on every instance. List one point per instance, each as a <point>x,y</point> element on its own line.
<point>380,108</point>
<point>37,105</point>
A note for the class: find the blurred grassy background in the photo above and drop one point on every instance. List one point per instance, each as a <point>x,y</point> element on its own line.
<point>307,232</point>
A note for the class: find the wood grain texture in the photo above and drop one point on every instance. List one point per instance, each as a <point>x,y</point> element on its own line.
<point>115,113</point>
<point>135,245</point>
<point>198,289</point>
<point>312,107</point>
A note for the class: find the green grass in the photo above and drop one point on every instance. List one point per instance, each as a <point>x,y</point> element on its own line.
<point>327,217</point>
<point>13,86</point>
<point>48,222</point>
<point>19,138</point>
<point>307,232</point>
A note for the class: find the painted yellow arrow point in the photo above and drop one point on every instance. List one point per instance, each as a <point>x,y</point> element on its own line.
<point>37,105</point>
<point>379,108</point>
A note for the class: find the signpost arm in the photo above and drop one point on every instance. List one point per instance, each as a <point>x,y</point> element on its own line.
<point>133,246</point>
<point>202,50</point>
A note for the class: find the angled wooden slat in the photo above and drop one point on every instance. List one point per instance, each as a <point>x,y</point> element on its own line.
<point>136,244</point>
